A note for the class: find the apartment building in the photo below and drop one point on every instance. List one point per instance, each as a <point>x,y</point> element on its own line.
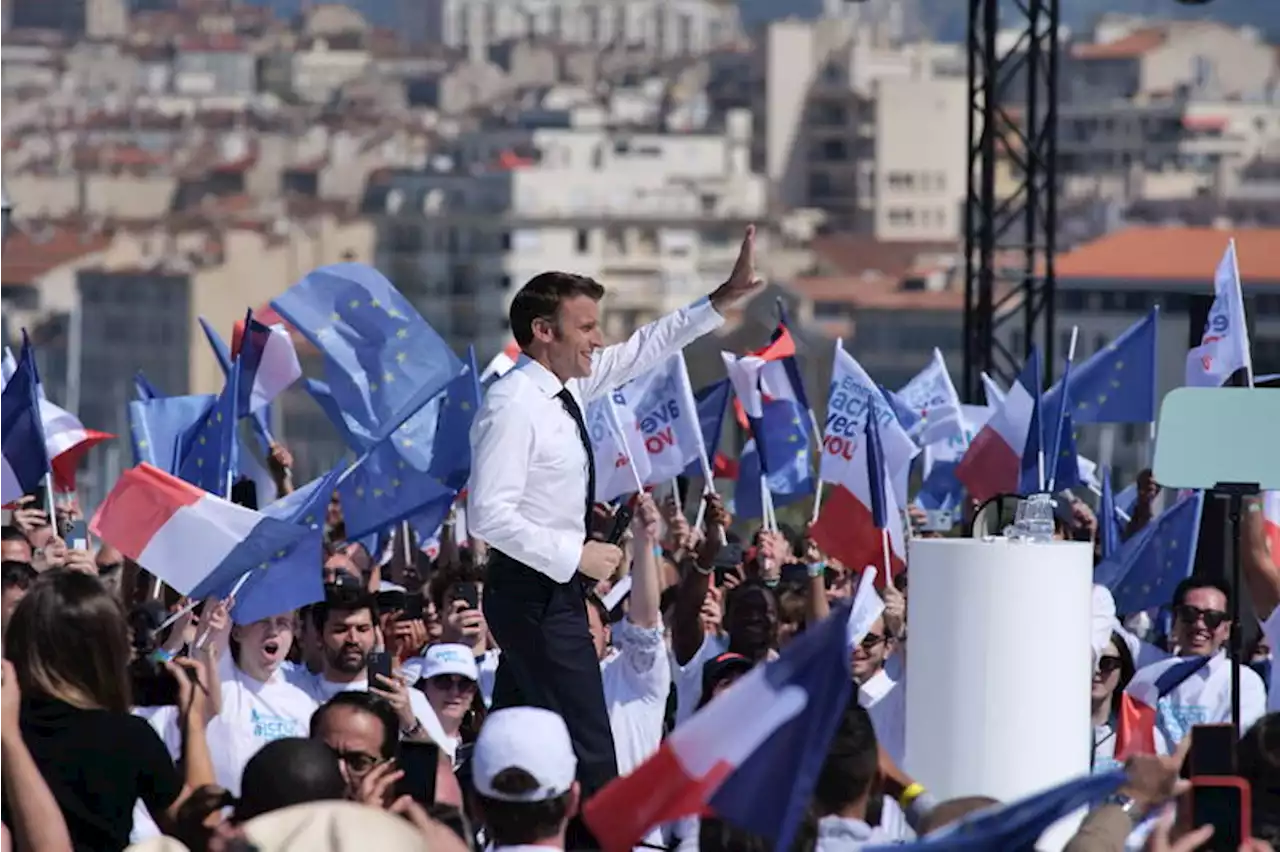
<point>1106,285</point>
<point>660,27</point>
<point>656,217</point>
<point>1174,110</point>
<point>854,125</point>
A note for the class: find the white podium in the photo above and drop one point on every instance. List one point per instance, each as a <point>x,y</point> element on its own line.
<point>999,668</point>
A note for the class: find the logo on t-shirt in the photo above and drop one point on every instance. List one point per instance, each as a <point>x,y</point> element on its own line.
<point>270,727</point>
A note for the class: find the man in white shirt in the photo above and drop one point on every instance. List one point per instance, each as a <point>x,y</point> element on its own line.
<point>523,770</point>
<point>532,489</point>
<point>881,696</point>
<point>348,635</point>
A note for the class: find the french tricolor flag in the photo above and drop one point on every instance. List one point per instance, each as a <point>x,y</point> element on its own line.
<point>994,462</point>
<point>268,358</point>
<point>1136,721</point>
<point>197,543</point>
<point>775,723</point>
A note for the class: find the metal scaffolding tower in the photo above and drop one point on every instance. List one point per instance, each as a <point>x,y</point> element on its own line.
<point>1010,225</point>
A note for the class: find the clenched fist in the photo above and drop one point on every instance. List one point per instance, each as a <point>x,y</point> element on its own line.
<point>599,560</point>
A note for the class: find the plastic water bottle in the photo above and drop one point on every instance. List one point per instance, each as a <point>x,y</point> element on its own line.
<point>1035,518</point>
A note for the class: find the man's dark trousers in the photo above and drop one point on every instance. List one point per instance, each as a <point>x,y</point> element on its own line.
<point>548,660</point>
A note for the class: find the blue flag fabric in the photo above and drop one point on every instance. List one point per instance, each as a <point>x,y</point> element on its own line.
<point>1117,384</point>
<point>1143,572</point>
<point>1109,534</point>
<point>143,389</point>
<point>158,427</point>
<point>451,453</point>
<point>787,484</point>
<point>320,392</point>
<point>907,417</point>
<point>815,666</point>
<point>26,460</point>
<point>247,369</point>
<point>1066,470</point>
<point>782,435</point>
<point>383,361</point>
<point>307,505</point>
<point>712,402</point>
<point>1015,827</point>
<point>209,448</point>
<point>393,482</point>
<point>1030,378</point>
<point>941,489</point>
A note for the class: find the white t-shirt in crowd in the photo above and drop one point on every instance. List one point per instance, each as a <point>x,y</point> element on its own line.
<point>322,690</point>
<point>689,676</point>
<point>486,663</point>
<point>254,714</point>
<point>1203,698</point>
<point>637,679</point>
<point>1271,629</point>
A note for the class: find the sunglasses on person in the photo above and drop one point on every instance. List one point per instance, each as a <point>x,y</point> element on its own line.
<point>1191,614</point>
<point>871,640</point>
<point>454,682</point>
<point>1108,664</point>
<point>357,761</point>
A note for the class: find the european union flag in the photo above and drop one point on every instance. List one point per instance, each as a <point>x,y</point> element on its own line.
<point>712,402</point>
<point>393,481</point>
<point>307,505</point>
<point>451,455</point>
<point>26,460</point>
<point>1109,534</point>
<point>209,447</point>
<point>1117,384</point>
<point>324,398</point>
<point>1066,468</point>
<point>1015,827</point>
<point>383,362</point>
<point>1144,570</point>
<point>262,417</point>
<point>787,483</point>
<point>159,425</point>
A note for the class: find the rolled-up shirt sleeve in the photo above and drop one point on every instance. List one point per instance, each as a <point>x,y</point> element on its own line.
<point>501,446</point>
<point>616,365</point>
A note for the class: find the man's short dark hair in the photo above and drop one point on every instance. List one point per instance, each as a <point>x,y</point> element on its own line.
<point>851,761</point>
<point>1192,583</point>
<point>9,532</point>
<point>14,574</point>
<point>286,772</point>
<point>320,612</point>
<point>522,823</point>
<point>465,570</point>
<point>541,297</point>
<point>362,702</point>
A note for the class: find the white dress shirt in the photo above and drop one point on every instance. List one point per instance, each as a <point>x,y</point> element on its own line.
<point>529,469</point>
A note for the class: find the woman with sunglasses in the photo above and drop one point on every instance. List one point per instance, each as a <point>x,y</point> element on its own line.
<point>1112,675</point>
<point>450,680</point>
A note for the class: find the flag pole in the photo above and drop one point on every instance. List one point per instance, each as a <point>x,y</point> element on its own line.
<point>817,500</point>
<point>888,565</point>
<point>675,494</point>
<point>1062,410</point>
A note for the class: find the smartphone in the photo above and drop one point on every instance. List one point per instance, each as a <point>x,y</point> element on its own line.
<point>937,520</point>
<point>727,559</point>
<point>151,685</point>
<point>379,663</point>
<point>467,592</point>
<point>1213,751</point>
<point>392,600</point>
<point>418,761</point>
<point>412,609</point>
<point>1224,804</point>
<point>621,520</point>
<point>77,536</point>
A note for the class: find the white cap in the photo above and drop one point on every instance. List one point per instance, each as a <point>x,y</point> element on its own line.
<point>527,738</point>
<point>450,659</point>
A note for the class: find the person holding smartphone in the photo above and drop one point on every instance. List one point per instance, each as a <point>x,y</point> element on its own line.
<point>450,681</point>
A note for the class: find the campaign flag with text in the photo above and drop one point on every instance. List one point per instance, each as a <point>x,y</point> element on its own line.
<point>660,403</point>
<point>727,760</point>
<point>618,470</point>
<point>1224,345</point>
<point>933,397</point>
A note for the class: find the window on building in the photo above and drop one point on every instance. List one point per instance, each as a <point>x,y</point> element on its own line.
<point>504,240</point>
<point>902,181</point>
<point>584,241</point>
<point>902,216</point>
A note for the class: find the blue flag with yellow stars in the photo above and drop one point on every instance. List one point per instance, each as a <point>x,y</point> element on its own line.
<point>382,360</point>
<point>1116,384</point>
<point>393,481</point>
<point>208,449</point>
<point>158,426</point>
<point>1143,572</point>
<point>451,453</point>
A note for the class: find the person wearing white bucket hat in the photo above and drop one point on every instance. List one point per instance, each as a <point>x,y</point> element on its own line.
<point>450,680</point>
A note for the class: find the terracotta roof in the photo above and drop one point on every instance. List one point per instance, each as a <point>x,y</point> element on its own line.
<point>1174,254</point>
<point>1132,46</point>
<point>861,255</point>
<point>32,251</point>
